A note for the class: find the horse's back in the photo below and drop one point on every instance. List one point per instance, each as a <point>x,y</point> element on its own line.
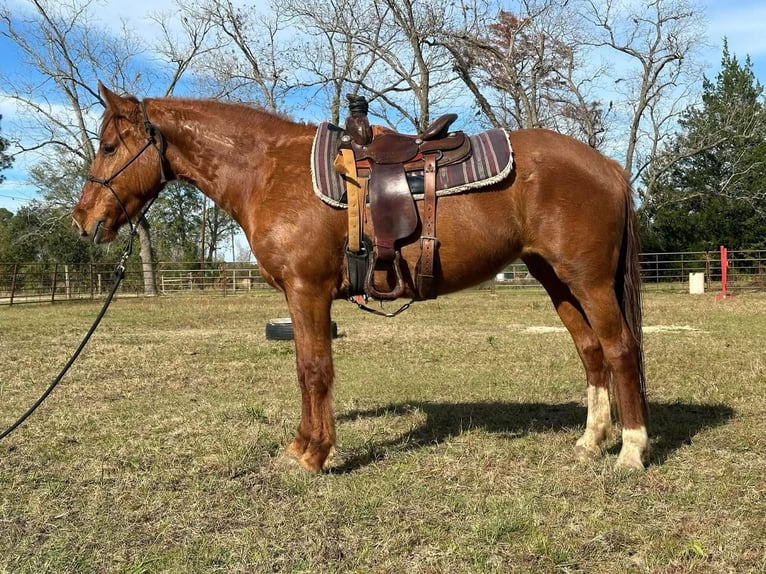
<point>566,169</point>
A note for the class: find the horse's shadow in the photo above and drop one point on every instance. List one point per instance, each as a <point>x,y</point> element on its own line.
<point>671,425</point>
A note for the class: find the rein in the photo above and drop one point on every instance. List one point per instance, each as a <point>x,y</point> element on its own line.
<point>154,136</point>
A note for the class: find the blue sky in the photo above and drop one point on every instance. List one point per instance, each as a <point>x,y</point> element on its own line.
<point>740,21</point>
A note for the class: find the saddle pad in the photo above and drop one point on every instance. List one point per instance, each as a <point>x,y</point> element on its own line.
<point>491,161</point>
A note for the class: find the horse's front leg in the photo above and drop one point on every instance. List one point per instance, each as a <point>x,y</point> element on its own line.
<point>315,440</point>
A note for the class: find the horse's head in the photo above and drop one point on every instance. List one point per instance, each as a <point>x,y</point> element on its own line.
<point>127,173</point>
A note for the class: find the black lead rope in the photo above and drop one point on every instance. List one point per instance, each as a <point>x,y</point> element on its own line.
<point>153,134</point>
<point>119,275</point>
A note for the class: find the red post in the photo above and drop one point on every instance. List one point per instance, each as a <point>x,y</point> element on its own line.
<point>724,274</point>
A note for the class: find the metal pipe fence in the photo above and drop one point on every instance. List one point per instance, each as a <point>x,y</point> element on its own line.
<point>40,282</point>
<point>55,282</point>
<point>670,271</point>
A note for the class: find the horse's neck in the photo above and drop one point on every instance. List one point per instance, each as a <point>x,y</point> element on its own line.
<point>225,150</point>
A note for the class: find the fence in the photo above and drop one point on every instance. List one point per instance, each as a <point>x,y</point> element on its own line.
<point>35,282</point>
<point>670,271</point>
<point>40,282</point>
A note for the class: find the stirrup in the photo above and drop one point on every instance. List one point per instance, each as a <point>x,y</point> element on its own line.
<point>369,284</point>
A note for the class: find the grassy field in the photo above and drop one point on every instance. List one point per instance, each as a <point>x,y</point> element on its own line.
<point>161,450</point>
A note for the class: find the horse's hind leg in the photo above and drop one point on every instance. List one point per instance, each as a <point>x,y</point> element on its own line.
<point>314,442</point>
<point>622,354</point>
<point>589,349</point>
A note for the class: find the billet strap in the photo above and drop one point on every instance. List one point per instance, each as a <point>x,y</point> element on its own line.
<point>346,164</point>
<point>365,182</point>
<point>428,241</point>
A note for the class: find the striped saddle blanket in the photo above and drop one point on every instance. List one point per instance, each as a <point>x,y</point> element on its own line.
<point>491,161</point>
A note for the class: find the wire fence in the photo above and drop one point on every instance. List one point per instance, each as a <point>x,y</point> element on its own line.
<point>55,282</point>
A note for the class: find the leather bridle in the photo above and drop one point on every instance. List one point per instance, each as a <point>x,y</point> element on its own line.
<point>154,138</point>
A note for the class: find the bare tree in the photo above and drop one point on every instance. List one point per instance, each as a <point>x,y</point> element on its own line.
<point>183,42</point>
<point>332,61</point>
<point>654,44</point>
<point>65,53</point>
<point>527,69</point>
<point>62,57</point>
<point>414,73</point>
<point>616,73</point>
<point>389,50</point>
<point>248,60</point>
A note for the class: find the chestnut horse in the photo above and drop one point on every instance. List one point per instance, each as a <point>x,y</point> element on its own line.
<point>565,210</point>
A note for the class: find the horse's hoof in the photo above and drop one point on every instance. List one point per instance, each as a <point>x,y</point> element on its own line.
<point>629,462</point>
<point>309,462</point>
<point>634,449</point>
<point>585,453</point>
<point>295,450</point>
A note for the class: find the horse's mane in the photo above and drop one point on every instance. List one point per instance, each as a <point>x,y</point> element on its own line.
<point>230,111</point>
<point>221,116</point>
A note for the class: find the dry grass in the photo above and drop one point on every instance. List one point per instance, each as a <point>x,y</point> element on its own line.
<point>161,451</point>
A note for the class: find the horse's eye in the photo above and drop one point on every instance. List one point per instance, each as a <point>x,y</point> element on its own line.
<point>108,149</point>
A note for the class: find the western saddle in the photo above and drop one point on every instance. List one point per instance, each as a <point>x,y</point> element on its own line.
<point>390,167</point>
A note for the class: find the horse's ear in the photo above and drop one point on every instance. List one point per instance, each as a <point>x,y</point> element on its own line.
<point>118,105</point>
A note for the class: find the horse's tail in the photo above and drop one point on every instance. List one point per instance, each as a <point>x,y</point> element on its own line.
<point>628,285</point>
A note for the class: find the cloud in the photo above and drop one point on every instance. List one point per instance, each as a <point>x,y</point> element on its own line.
<point>15,192</point>
<point>8,108</point>
<point>137,13</point>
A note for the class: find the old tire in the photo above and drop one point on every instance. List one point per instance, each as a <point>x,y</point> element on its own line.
<point>282,329</point>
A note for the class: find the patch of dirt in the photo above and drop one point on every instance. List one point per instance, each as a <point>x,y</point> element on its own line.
<point>647,329</point>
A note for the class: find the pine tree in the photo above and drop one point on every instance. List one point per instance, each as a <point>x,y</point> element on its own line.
<point>715,194</point>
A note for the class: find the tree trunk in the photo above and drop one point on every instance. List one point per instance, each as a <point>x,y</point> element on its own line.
<point>144,239</point>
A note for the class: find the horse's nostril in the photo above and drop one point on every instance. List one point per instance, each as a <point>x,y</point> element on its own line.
<point>97,231</point>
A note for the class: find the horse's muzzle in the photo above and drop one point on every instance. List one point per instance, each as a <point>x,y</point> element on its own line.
<point>95,233</point>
